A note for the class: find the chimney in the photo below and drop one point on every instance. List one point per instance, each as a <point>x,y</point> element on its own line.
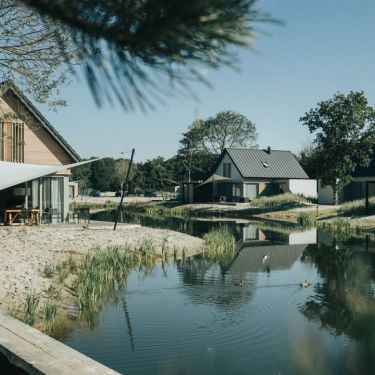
<point>269,150</point>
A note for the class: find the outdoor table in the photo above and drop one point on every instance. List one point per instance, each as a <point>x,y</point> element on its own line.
<point>12,214</point>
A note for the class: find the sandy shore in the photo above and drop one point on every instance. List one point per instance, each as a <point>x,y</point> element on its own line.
<point>24,251</point>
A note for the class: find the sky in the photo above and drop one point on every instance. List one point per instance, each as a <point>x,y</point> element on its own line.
<point>324,46</point>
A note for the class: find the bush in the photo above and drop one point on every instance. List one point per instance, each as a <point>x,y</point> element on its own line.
<point>305,220</point>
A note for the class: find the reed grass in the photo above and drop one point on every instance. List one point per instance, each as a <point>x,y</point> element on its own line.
<point>30,308</point>
<point>356,207</point>
<point>48,271</point>
<point>278,200</point>
<point>53,292</point>
<point>49,316</point>
<point>219,240</point>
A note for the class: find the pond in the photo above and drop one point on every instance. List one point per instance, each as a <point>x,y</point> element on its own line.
<point>187,316</point>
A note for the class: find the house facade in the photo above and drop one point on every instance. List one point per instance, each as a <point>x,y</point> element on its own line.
<point>27,137</point>
<point>244,174</point>
<point>361,185</point>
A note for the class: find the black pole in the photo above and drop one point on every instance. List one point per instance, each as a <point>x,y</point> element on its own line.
<point>123,189</point>
<point>367,202</point>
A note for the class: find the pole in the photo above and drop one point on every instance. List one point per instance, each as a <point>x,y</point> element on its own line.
<point>367,202</point>
<point>123,189</point>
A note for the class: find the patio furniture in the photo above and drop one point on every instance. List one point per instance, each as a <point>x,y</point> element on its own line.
<point>21,216</point>
<point>81,213</point>
<point>49,214</point>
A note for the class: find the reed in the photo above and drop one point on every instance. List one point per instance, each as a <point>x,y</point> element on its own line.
<point>356,207</point>
<point>49,316</point>
<point>278,200</point>
<point>219,240</point>
<point>48,271</point>
<point>30,308</point>
<point>53,292</point>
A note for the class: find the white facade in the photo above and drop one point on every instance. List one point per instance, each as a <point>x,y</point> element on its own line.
<point>253,187</point>
<point>306,187</point>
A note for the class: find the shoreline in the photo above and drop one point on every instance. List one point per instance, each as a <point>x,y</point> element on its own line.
<point>27,250</point>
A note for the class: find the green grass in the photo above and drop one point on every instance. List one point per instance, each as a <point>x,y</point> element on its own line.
<point>30,308</point>
<point>356,207</point>
<point>49,316</point>
<point>306,220</point>
<point>278,200</point>
<point>219,240</point>
<point>48,271</point>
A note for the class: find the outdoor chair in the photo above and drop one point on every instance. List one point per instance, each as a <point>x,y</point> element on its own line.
<point>82,213</point>
<point>49,214</point>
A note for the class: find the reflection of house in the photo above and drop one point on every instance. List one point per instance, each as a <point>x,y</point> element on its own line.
<point>251,233</point>
<point>27,137</point>
<point>243,174</point>
<point>280,257</point>
<point>362,178</point>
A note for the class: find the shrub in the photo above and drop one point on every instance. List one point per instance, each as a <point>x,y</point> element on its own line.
<point>305,219</point>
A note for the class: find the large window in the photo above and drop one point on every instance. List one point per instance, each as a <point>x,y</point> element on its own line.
<point>227,170</point>
<point>12,140</point>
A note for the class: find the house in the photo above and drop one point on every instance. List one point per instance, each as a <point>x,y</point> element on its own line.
<point>244,174</point>
<point>361,185</point>
<point>30,146</point>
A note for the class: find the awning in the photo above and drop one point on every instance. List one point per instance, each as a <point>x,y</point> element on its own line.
<point>12,174</point>
<point>214,177</point>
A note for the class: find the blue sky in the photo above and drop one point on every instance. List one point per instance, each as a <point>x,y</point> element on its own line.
<point>325,46</point>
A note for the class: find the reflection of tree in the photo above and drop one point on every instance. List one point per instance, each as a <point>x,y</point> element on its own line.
<point>216,289</point>
<point>343,302</point>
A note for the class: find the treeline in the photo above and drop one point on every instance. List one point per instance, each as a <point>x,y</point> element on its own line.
<point>153,175</point>
<point>200,148</point>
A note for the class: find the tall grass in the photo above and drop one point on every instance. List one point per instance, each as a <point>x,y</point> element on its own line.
<point>278,200</point>
<point>306,220</point>
<point>30,308</point>
<point>219,240</point>
<point>356,207</point>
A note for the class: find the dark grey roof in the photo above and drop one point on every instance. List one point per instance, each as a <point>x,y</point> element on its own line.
<point>8,85</point>
<point>280,257</point>
<point>262,164</point>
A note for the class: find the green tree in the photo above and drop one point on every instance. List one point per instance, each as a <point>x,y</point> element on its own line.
<point>344,129</point>
<point>30,52</point>
<point>224,130</point>
<point>102,174</point>
<point>309,159</point>
<point>138,50</point>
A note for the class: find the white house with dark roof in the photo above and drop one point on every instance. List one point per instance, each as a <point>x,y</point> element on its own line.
<point>243,174</point>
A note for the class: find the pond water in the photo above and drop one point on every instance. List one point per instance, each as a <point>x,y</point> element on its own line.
<point>188,316</point>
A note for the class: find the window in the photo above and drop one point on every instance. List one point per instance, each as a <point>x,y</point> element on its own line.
<point>265,164</point>
<point>227,169</point>
<point>12,137</point>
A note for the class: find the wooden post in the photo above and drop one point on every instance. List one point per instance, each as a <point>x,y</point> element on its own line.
<point>123,189</point>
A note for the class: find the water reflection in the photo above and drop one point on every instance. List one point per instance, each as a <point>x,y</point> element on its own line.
<point>188,316</point>
<point>343,302</point>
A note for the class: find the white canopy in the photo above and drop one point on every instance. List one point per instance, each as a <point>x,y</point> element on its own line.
<point>12,174</point>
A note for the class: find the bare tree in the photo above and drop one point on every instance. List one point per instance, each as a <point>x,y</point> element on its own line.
<point>33,51</point>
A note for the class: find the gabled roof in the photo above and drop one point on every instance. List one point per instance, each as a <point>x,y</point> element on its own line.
<point>280,257</point>
<point>265,164</point>
<point>10,86</point>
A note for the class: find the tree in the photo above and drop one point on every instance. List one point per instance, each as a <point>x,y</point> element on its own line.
<point>344,129</point>
<point>309,159</point>
<point>132,48</point>
<point>31,54</point>
<point>102,174</point>
<point>213,135</point>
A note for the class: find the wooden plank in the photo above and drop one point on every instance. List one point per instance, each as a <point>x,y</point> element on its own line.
<point>37,353</point>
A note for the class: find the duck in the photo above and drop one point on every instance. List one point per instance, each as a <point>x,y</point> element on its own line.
<point>239,283</point>
<point>304,284</point>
